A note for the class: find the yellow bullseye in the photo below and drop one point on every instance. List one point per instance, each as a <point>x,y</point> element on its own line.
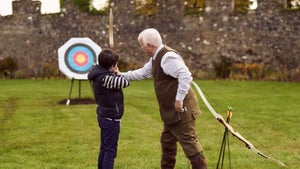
<point>80,58</point>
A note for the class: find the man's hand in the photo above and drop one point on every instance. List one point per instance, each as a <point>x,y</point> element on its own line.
<point>179,106</point>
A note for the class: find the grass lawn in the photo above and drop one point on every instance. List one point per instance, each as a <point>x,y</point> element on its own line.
<point>38,133</point>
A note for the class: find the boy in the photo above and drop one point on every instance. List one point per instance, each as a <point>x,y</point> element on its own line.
<point>107,84</point>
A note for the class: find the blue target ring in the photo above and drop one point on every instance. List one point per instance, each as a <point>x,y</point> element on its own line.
<point>79,58</point>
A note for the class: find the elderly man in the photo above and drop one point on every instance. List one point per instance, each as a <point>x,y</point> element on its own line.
<point>177,102</point>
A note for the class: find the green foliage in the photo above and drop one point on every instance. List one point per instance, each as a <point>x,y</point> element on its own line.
<point>125,66</point>
<point>85,5</point>
<point>48,70</point>
<point>242,6</point>
<point>228,68</point>
<point>223,67</point>
<point>194,7</point>
<point>39,133</point>
<point>104,11</point>
<point>259,71</point>
<point>62,2</point>
<point>292,6</point>
<point>148,7</point>
<point>8,66</point>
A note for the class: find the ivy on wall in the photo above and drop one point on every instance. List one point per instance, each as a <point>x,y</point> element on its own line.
<point>191,7</point>
<point>146,7</point>
<point>85,5</point>
<point>149,7</point>
<point>242,6</point>
<point>194,7</point>
<point>293,4</point>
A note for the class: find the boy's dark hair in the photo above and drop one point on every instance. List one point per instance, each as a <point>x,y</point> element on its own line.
<point>108,58</point>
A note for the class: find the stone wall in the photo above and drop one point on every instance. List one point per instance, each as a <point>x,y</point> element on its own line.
<point>268,35</point>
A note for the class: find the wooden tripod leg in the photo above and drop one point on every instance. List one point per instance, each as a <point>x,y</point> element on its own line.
<point>70,92</point>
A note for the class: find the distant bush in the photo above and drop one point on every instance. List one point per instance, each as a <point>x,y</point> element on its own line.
<point>228,68</point>
<point>194,7</point>
<point>48,70</point>
<point>85,5</point>
<point>224,67</point>
<point>241,6</point>
<point>254,71</point>
<point>125,66</point>
<point>8,66</point>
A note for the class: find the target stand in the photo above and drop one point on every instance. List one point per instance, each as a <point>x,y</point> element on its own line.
<point>76,57</point>
<point>70,92</point>
<point>225,142</point>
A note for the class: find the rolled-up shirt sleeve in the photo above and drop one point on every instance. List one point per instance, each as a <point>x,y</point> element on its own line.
<point>139,74</point>
<point>173,65</point>
<point>115,82</point>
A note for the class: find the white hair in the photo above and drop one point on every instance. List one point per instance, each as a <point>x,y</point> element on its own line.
<point>150,36</point>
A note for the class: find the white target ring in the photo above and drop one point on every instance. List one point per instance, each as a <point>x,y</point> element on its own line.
<point>77,56</point>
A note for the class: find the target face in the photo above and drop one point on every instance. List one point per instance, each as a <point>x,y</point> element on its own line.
<point>80,58</point>
<point>77,56</point>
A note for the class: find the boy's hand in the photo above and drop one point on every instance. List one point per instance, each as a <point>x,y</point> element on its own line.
<point>117,71</point>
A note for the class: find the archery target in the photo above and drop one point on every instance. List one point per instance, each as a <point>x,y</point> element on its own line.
<point>80,58</point>
<point>77,56</point>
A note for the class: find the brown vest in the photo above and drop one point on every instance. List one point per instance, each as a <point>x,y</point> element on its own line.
<point>166,88</point>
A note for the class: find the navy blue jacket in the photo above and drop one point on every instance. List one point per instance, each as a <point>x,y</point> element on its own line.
<point>108,92</point>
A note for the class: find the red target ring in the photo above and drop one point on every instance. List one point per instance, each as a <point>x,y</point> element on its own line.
<point>80,58</point>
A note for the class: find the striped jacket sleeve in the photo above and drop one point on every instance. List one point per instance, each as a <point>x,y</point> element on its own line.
<point>115,82</point>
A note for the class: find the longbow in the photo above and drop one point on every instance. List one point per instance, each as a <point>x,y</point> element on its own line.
<point>249,145</point>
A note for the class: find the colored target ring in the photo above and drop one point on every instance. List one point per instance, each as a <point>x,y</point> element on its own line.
<point>79,58</point>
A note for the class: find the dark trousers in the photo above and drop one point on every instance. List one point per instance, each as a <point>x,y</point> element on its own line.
<point>185,134</point>
<point>110,131</point>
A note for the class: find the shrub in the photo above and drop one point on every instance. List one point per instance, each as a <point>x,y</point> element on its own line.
<point>253,71</point>
<point>295,75</point>
<point>48,70</point>
<point>223,68</point>
<point>8,66</point>
<point>125,66</point>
